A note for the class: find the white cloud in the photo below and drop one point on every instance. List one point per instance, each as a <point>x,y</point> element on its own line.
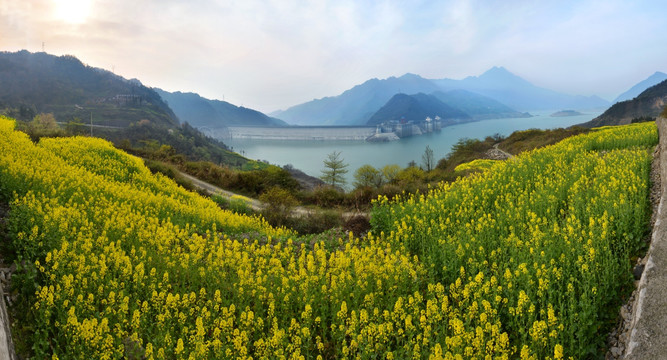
<point>271,54</point>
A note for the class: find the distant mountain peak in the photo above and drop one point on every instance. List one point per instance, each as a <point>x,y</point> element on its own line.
<point>497,70</point>
<point>638,88</point>
<point>358,104</point>
<point>499,73</point>
<point>408,76</point>
<point>355,106</point>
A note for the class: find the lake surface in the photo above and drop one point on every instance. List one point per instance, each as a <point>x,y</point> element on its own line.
<point>308,156</point>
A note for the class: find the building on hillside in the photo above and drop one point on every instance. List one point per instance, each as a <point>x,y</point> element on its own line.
<point>404,129</point>
<point>127,99</point>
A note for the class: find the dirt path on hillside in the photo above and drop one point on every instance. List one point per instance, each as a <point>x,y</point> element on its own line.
<point>496,153</point>
<point>507,155</point>
<point>255,204</point>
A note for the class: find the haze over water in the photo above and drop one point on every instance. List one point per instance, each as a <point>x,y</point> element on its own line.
<point>308,156</point>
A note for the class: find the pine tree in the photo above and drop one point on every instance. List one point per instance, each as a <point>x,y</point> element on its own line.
<point>335,168</point>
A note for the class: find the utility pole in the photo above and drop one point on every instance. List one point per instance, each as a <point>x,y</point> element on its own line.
<point>91,124</point>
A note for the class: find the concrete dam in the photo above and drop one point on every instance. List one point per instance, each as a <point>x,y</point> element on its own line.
<point>294,133</point>
<point>387,131</point>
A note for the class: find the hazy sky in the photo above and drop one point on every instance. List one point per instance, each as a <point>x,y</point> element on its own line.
<point>272,54</point>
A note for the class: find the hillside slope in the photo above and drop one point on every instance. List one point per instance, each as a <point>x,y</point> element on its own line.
<point>649,103</point>
<point>479,107</point>
<point>127,264</point>
<point>637,89</point>
<point>199,111</point>
<point>123,111</point>
<point>416,108</point>
<point>42,83</point>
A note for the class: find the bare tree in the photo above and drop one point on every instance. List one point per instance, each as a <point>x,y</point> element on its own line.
<point>427,159</point>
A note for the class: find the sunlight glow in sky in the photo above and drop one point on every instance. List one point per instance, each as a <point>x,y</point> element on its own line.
<point>272,54</point>
<point>71,11</point>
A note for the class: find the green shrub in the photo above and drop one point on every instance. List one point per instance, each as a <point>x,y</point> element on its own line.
<point>222,201</point>
<point>279,205</point>
<point>326,196</point>
<point>239,205</point>
<point>361,197</point>
<point>169,171</point>
<point>316,222</point>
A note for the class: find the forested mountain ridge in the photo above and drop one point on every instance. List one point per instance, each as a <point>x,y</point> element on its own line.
<point>199,111</point>
<point>41,83</point>
<point>416,108</point>
<point>124,111</point>
<point>649,104</point>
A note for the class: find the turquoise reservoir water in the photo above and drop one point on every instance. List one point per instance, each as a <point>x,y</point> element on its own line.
<point>309,155</point>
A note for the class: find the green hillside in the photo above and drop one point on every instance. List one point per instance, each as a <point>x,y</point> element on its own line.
<point>123,111</point>
<point>64,86</point>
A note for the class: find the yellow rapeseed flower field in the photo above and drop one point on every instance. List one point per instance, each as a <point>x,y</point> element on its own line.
<point>550,232</point>
<point>523,261</point>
